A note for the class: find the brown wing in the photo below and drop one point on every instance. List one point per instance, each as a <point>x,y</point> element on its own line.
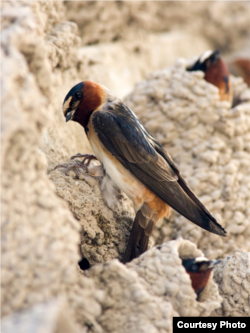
<point>128,140</point>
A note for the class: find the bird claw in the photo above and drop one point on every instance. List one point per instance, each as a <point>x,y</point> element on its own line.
<point>78,167</point>
<point>87,158</point>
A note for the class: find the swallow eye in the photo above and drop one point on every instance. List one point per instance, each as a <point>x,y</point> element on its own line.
<point>78,95</point>
<point>194,267</point>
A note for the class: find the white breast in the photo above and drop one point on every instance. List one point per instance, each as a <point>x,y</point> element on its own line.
<point>122,178</point>
<point>114,172</point>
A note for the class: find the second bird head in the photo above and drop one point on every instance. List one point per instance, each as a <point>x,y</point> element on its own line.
<point>216,72</point>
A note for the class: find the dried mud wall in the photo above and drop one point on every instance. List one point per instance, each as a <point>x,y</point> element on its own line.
<point>39,235</point>
<point>99,21</point>
<point>209,141</point>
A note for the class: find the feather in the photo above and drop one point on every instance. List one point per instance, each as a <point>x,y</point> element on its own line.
<point>123,135</point>
<point>138,240</point>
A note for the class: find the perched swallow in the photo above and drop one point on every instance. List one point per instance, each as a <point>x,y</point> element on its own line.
<point>216,73</point>
<point>135,162</point>
<point>199,270</point>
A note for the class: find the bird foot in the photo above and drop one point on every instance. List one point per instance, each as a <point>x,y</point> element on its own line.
<point>83,167</point>
<point>87,158</point>
<point>77,167</point>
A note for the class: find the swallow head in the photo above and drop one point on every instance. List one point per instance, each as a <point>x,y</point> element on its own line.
<point>205,62</point>
<point>216,72</point>
<point>199,270</point>
<point>209,58</point>
<point>199,264</point>
<point>84,98</point>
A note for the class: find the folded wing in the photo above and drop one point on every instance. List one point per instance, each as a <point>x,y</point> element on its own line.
<point>129,141</point>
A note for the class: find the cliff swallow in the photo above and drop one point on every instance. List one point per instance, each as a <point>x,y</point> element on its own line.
<point>199,270</point>
<point>216,73</point>
<point>135,162</point>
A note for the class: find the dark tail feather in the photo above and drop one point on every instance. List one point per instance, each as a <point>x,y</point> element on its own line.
<point>138,240</point>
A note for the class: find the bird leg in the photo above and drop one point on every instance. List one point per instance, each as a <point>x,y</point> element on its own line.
<point>78,167</point>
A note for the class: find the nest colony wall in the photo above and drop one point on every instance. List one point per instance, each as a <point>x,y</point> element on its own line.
<point>210,143</point>
<point>48,214</point>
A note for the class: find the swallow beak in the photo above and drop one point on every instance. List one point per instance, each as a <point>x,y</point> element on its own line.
<point>69,115</point>
<point>212,264</point>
